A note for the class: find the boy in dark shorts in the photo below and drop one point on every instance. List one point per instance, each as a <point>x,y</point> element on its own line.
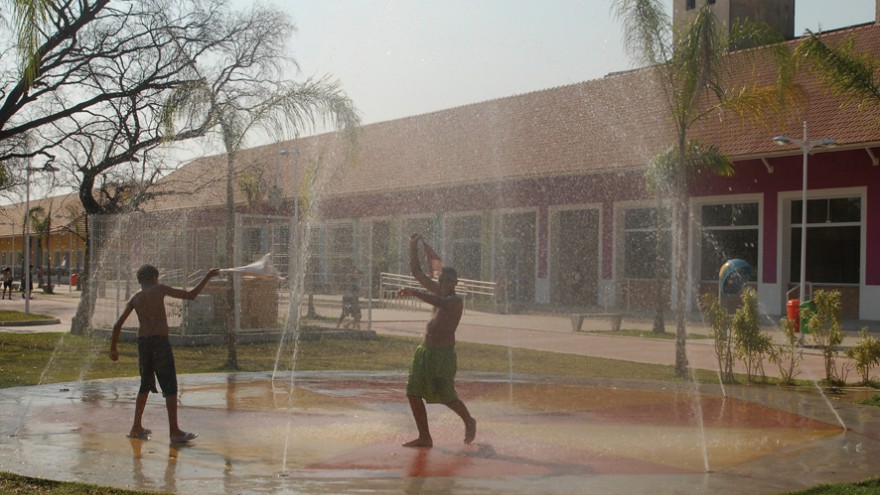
<point>7,282</point>
<point>155,358</point>
<point>432,376</point>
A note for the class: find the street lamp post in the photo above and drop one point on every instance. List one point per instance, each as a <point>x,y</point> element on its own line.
<point>806,147</point>
<point>27,238</point>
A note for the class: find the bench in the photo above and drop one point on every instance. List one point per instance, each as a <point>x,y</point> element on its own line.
<point>577,320</point>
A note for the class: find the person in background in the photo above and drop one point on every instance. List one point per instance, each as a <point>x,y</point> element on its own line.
<point>7,282</point>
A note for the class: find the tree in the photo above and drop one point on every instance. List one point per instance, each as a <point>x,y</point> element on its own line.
<point>246,97</point>
<point>845,71</point>
<point>692,71</point>
<point>659,179</point>
<point>105,78</point>
<point>28,17</point>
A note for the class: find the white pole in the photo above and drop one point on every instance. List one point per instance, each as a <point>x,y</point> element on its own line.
<point>803,280</point>
<point>27,245</point>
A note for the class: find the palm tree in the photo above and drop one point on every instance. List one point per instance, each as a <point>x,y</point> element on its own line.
<point>659,179</point>
<point>848,73</point>
<point>690,69</point>
<point>28,16</point>
<point>253,97</point>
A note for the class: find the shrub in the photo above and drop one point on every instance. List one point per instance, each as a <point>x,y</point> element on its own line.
<point>787,356</point>
<point>719,325</point>
<point>866,354</point>
<point>751,343</point>
<point>824,325</point>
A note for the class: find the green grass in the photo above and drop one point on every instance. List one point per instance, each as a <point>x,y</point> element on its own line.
<point>24,358</point>
<point>6,316</point>
<point>873,401</point>
<point>867,487</point>
<point>13,484</point>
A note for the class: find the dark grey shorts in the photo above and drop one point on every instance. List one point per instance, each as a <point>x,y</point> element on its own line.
<point>156,362</point>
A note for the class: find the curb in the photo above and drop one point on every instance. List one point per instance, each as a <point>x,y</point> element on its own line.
<point>29,323</point>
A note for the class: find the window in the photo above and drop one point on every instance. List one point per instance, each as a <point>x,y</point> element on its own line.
<point>711,2</point>
<point>640,237</point>
<point>833,240</point>
<point>690,4</point>
<point>729,231</point>
<point>466,235</point>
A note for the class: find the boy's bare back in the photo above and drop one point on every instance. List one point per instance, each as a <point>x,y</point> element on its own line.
<point>149,305</point>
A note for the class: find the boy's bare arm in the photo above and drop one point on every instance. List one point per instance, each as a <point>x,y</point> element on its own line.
<point>432,299</point>
<point>117,328</point>
<point>191,294</point>
<point>415,266</point>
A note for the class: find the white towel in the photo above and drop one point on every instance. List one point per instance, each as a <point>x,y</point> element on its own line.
<point>260,268</point>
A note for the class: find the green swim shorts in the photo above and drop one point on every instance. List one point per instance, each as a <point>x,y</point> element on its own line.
<point>432,375</point>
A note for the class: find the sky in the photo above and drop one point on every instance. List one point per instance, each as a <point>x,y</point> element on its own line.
<point>397,58</point>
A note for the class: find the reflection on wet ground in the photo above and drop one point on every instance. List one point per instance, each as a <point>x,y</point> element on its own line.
<point>335,432</point>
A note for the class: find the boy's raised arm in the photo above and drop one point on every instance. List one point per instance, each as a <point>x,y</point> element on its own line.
<point>415,266</point>
<point>195,291</point>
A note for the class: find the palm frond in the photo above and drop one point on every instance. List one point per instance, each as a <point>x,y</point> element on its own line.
<point>662,171</point>
<point>845,71</point>
<point>647,30</point>
<point>28,17</point>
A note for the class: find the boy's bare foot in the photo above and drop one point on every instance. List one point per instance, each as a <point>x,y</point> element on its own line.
<point>470,430</point>
<point>420,442</point>
<point>141,434</point>
<point>184,438</point>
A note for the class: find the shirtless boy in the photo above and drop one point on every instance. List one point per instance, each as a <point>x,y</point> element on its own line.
<point>155,359</point>
<point>432,375</point>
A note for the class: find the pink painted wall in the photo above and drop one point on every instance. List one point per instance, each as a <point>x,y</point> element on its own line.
<point>839,169</point>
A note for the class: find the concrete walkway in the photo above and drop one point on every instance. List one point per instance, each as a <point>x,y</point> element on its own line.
<point>554,333</point>
<point>544,332</point>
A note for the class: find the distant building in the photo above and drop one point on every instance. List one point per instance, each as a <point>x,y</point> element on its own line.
<point>526,189</point>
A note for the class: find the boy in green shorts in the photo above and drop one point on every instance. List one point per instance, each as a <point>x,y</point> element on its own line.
<point>432,376</point>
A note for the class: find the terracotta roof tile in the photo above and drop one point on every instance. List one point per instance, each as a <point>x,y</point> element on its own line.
<point>610,124</point>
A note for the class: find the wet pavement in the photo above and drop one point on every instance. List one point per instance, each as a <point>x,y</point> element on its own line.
<point>335,432</point>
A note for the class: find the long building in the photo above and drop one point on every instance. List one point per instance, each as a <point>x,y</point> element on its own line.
<point>544,192</point>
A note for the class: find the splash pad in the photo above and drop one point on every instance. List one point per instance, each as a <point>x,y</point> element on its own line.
<point>336,432</point>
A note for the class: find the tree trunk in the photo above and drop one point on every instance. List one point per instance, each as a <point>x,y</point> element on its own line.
<point>660,304</point>
<point>231,352</point>
<point>82,320</point>
<point>680,209</point>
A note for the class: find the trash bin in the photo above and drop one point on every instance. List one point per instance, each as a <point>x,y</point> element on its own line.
<point>73,279</point>
<point>807,309</point>
<point>793,311</point>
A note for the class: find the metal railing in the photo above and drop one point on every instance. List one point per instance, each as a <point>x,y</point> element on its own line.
<point>470,290</point>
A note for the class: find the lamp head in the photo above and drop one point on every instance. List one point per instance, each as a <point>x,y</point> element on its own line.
<point>829,143</point>
<point>782,140</point>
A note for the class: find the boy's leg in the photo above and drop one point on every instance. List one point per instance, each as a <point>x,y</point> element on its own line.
<point>420,414</point>
<point>175,433</point>
<point>173,427</point>
<point>137,428</point>
<point>470,424</point>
